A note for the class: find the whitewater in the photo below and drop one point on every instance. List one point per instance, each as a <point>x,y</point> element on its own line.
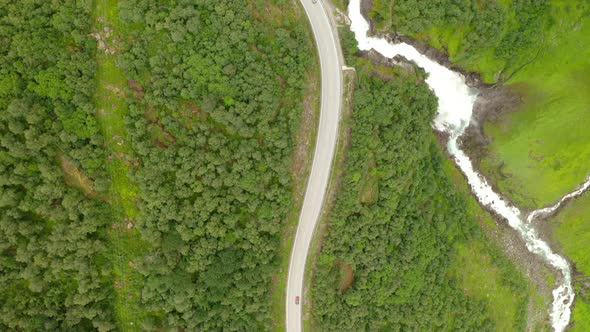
<point>455,108</point>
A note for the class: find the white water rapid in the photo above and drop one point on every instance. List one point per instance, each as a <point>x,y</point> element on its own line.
<point>455,106</point>
<point>544,211</point>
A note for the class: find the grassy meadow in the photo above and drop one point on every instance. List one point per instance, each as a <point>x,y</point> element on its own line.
<point>571,228</point>
<point>485,273</point>
<point>542,149</point>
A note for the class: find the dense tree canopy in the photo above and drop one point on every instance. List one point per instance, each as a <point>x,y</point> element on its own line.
<point>214,100</point>
<point>512,31</point>
<point>384,262</point>
<point>51,235</point>
<point>222,93</point>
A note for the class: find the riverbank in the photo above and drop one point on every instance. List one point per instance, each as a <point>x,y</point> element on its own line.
<point>455,113</point>
<point>537,154</point>
<point>571,230</point>
<point>493,225</point>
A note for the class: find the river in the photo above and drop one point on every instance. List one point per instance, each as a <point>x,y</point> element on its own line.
<point>455,107</point>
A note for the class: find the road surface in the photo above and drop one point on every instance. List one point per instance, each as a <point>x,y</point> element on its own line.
<point>331,72</point>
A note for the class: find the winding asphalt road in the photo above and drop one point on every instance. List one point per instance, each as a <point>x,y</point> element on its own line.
<point>331,63</point>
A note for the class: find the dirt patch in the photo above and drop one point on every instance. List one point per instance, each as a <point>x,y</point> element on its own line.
<point>366,7</point>
<point>123,226</point>
<point>191,112</point>
<point>104,40</point>
<point>74,177</point>
<point>491,103</point>
<point>396,61</point>
<point>339,13</point>
<point>369,192</point>
<point>347,276</point>
<point>115,90</point>
<point>161,137</point>
<point>138,90</point>
<point>274,283</point>
<point>305,135</point>
<point>118,284</point>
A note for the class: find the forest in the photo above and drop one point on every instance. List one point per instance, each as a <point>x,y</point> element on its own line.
<point>492,37</point>
<point>386,261</point>
<point>146,155</point>
<point>213,128</point>
<point>211,104</point>
<point>52,225</point>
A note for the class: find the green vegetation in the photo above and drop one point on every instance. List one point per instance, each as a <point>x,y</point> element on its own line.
<point>581,315</point>
<point>482,279</point>
<point>125,246</point>
<point>539,49</point>
<point>494,38</point>
<point>224,83</point>
<point>341,5</point>
<point>147,159</point>
<point>572,231</point>
<point>300,168</point>
<point>486,274</point>
<point>53,218</point>
<point>412,257</point>
<point>542,147</point>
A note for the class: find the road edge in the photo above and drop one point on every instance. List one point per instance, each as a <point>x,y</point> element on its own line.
<point>327,9</point>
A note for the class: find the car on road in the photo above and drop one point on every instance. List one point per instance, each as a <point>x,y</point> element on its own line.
<point>314,1</point>
<point>296,299</point>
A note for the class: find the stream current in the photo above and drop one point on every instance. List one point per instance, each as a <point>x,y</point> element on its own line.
<point>455,107</point>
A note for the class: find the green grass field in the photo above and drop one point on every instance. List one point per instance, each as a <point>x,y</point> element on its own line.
<point>482,278</point>
<point>572,230</point>
<point>543,147</point>
<point>486,274</point>
<point>581,316</point>
<point>449,38</point>
<point>125,242</point>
